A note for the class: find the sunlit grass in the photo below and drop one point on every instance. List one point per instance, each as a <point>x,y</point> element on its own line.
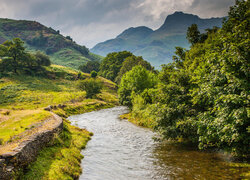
<point>62,159</point>
<point>19,121</point>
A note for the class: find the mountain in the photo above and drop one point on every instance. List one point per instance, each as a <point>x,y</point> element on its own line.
<point>62,50</point>
<point>157,46</point>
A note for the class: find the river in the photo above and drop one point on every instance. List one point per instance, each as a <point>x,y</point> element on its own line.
<point>120,150</point>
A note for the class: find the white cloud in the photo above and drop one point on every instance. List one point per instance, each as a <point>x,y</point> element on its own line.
<point>158,7</point>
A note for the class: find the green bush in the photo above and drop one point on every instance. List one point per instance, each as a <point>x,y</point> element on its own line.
<point>93,74</point>
<point>91,86</point>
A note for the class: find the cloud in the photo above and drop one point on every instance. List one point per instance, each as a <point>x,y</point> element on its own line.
<point>90,22</point>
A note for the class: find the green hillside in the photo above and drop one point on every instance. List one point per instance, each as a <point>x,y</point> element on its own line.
<point>62,50</point>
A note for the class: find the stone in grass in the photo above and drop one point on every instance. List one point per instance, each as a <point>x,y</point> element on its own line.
<point>49,108</point>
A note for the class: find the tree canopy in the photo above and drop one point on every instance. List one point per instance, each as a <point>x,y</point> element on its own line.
<point>112,63</point>
<point>90,66</point>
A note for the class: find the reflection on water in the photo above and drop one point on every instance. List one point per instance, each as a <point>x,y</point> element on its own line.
<point>120,150</point>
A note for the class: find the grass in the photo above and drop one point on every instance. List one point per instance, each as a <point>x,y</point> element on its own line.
<point>22,103</point>
<point>139,120</point>
<point>61,160</point>
<point>15,123</point>
<point>69,57</point>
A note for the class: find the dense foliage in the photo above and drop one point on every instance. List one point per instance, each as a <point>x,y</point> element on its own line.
<point>93,74</point>
<point>14,58</point>
<point>129,63</point>
<point>91,86</point>
<point>112,63</point>
<point>203,96</point>
<point>90,66</point>
<point>135,82</point>
<point>116,64</point>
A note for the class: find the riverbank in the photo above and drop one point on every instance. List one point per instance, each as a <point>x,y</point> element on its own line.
<point>237,164</point>
<point>24,105</point>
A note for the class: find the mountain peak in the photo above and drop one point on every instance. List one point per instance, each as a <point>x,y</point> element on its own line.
<point>135,32</point>
<point>178,22</point>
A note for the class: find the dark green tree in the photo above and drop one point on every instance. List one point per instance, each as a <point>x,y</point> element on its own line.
<point>93,74</point>
<point>193,34</point>
<point>90,66</point>
<point>112,63</point>
<point>129,63</point>
<point>14,54</point>
<point>180,56</point>
<point>42,59</point>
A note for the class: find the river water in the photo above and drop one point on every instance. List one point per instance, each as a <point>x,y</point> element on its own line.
<point>119,150</point>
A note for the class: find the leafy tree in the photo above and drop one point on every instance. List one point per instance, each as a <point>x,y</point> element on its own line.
<point>180,52</point>
<point>42,59</point>
<point>193,34</point>
<point>135,81</point>
<point>69,38</point>
<point>14,53</point>
<point>91,86</point>
<point>112,63</point>
<point>129,63</point>
<point>93,74</point>
<point>90,66</point>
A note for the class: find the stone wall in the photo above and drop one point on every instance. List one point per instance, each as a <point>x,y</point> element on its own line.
<point>27,151</point>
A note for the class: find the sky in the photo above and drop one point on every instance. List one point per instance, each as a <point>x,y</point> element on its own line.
<point>89,22</point>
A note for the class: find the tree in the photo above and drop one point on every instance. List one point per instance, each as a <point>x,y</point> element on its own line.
<point>193,34</point>
<point>129,63</point>
<point>180,52</point>
<point>15,54</point>
<point>42,59</point>
<point>112,63</point>
<point>93,74</point>
<point>16,60</point>
<point>135,81</point>
<point>91,86</point>
<point>69,38</point>
<point>90,66</point>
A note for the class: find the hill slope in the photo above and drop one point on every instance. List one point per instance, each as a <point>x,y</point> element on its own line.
<point>22,116</point>
<point>157,46</point>
<point>62,50</point>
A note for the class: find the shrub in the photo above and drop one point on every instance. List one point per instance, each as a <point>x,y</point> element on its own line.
<point>42,59</point>
<point>91,86</point>
<point>93,74</point>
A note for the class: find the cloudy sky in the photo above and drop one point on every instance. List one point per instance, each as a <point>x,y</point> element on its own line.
<point>91,21</point>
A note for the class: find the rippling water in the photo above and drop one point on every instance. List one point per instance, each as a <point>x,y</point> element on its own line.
<point>120,150</point>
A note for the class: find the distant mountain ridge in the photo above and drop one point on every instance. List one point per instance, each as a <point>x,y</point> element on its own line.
<point>157,46</point>
<point>62,50</point>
